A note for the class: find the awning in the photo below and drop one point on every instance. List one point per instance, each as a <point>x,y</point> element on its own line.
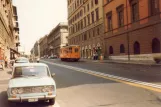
<point>14,51</point>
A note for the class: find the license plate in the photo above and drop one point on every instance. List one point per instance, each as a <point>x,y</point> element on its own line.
<point>33,100</point>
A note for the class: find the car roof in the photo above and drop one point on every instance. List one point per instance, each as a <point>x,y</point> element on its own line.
<point>29,64</point>
<point>22,58</point>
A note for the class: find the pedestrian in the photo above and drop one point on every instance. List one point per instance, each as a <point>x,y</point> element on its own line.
<point>2,63</point>
<point>6,62</point>
<point>94,56</point>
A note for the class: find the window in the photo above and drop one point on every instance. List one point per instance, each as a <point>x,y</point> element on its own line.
<point>96,1</point>
<point>154,6</point>
<point>111,50</point>
<point>92,4</point>
<point>89,34</point>
<point>85,21</point>
<point>97,14</point>
<point>88,19</point>
<point>75,27</point>
<point>84,9</point>
<point>81,1</point>
<point>120,12</point>
<point>77,2</point>
<point>93,33</point>
<point>92,15</point>
<point>88,7</point>
<point>136,48</point>
<point>81,24</point>
<point>156,46</point>
<point>76,50</point>
<point>36,71</point>
<point>109,20</point>
<point>122,48</point>
<point>75,5</point>
<point>70,50</point>
<point>134,10</point>
<point>85,36</point>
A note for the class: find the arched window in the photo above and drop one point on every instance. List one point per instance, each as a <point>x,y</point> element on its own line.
<point>156,46</point>
<point>111,50</point>
<point>122,48</point>
<point>136,48</point>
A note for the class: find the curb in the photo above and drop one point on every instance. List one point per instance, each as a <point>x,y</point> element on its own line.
<point>130,63</point>
<point>145,64</point>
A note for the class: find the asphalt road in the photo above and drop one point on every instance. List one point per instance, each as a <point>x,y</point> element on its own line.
<point>138,72</point>
<point>77,89</point>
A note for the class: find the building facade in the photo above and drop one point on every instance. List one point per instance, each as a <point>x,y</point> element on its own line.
<point>43,46</point>
<point>14,49</point>
<point>36,49</point>
<point>57,38</point>
<point>132,29</point>
<point>7,35</point>
<point>85,19</point>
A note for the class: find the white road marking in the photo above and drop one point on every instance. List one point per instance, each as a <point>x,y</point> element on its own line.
<point>106,75</point>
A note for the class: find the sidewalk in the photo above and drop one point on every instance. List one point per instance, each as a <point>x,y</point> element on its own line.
<point>149,63</point>
<point>5,74</point>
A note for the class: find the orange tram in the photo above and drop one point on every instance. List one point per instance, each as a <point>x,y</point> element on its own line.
<point>70,53</point>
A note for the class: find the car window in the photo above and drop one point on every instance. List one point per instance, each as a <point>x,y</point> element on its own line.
<point>30,71</point>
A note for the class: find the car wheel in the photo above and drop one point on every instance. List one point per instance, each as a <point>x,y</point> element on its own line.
<point>52,101</point>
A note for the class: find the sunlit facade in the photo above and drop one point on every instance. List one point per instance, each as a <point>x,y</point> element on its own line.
<point>85,18</point>
<point>9,30</point>
<point>132,29</point>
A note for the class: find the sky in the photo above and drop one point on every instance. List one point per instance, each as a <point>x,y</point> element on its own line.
<point>37,18</point>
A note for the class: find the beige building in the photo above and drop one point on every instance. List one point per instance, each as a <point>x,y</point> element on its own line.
<point>43,46</point>
<point>85,20</point>
<point>8,29</point>
<point>57,38</point>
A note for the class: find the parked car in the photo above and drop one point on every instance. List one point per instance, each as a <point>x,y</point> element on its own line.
<point>31,82</point>
<point>22,60</point>
<point>53,57</point>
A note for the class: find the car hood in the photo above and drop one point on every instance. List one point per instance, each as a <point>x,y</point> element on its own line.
<point>31,81</point>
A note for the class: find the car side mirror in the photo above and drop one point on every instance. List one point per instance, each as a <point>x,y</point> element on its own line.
<point>53,74</point>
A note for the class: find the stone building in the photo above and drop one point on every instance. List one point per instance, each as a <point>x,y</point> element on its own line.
<point>85,19</point>
<point>57,38</point>
<point>36,49</point>
<point>7,29</point>
<point>43,46</point>
<point>132,29</point>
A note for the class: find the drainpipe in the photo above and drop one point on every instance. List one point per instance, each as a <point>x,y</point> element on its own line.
<point>104,43</point>
<point>127,30</point>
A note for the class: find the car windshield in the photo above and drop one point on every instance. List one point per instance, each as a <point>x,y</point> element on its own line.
<point>27,71</point>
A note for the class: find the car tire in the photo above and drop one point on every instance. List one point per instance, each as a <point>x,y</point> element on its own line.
<point>52,101</point>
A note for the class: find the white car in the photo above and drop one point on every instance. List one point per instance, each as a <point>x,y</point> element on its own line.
<point>31,82</point>
<point>22,60</point>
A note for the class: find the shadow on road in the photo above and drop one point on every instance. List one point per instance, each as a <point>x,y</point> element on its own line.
<point>4,102</point>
